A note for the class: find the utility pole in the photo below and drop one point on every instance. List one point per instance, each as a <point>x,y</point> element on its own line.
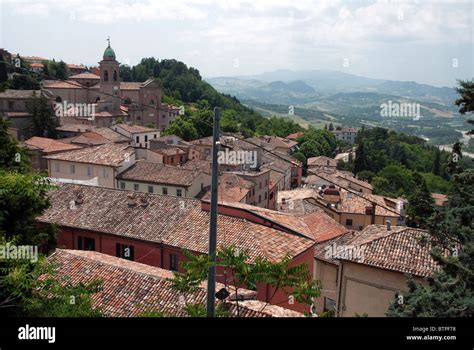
<point>211,276</point>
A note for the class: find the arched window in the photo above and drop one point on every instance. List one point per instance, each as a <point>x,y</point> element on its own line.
<point>115,75</point>
<point>97,99</point>
<point>152,103</point>
<point>106,75</point>
<point>59,99</point>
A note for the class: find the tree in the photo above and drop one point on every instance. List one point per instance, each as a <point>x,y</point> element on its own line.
<point>3,70</point>
<point>437,163</point>
<point>44,121</point>
<point>453,166</point>
<point>420,203</point>
<point>12,157</point>
<point>294,281</point>
<point>331,127</point>
<point>450,291</point>
<point>24,82</point>
<point>361,161</point>
<point>183,128</point>
<point>466,101</point>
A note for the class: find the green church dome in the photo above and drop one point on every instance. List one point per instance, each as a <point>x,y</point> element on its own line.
<point>109,53</point>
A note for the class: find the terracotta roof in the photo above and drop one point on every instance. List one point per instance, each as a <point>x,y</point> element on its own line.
<point>130,85</point>
<point>19,93</point>
<point>232,188</point>
<point>37,65</point>
<point>49,145</point>
<point>197,164</point>
<point>321,161</point>
<point>160,174</point>
<point>108,154</point>
<point>135,129</point>
<point>170,151</point>
<point>88,138</point>
<point>174,221</point>
<point>56,84</point>
<point>295,135</point>
<point>397,250</point>
<point>85,75</point>
<point>272,142</point>
<point>439,198</point>
<point>316,225</point>
<point>130,288</point>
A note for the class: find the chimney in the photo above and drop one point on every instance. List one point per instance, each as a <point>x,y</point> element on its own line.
<point>78,195</point>
<point>143,201</point>
<point>389,225</point>
<point>131,200</point>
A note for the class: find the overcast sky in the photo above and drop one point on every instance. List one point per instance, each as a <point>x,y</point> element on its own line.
<point>425,41</point>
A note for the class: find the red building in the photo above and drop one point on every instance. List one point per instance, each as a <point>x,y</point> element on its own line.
<point>155,230</point>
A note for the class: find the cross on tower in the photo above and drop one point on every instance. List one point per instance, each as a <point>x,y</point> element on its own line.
<point>108,40</point>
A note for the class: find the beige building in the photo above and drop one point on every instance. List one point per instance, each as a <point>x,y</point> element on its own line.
<point>321,162</point>
<point>362,272</point>
<point>100,164</point>
<point>39,147</point>
<point>139,136</point>
<point>163,179</point>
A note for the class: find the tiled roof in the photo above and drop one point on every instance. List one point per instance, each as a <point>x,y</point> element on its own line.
<point>135,129</point>
<point>57,84</point>
<point>88,138</point>
<point>321,161</point>
<point>397,250</point>
<point>203,165</point>
<point>295,135</point>
<point>85,75</point>
<point>159,173</point>
<point>232,188</point>
<point>130,288</point>
<point>174,221</point>
<point>36,65</point>
<point>49,145</point>
<point>170,151</point>
<point>272,142</point>
<point>130,85</point>
<point>439,198</point>
<point>316,225</point>
<point>19,93</point>
<point>108,154</point>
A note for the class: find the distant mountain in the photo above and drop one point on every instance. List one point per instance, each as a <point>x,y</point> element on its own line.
<point>327,82</point>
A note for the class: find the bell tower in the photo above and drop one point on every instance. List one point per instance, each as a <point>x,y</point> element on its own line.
<point>109,81</point>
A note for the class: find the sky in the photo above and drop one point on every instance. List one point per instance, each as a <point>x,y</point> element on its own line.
<point>429,42</point>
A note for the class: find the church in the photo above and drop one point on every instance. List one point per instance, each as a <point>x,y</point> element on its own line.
<point>113,100</point>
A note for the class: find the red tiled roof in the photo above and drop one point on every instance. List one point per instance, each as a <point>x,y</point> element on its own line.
<point>49,145</point>
<point>85,75</point>
<point>110,154</point>
<point>130,288</point>
<point>135,129</point>
<point>396,250</point>
<point>174,221</point>
<point>159,173</point>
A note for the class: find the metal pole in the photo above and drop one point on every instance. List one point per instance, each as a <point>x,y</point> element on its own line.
<point>211,278</point>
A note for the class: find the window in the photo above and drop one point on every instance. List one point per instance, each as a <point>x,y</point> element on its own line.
<point>125,251</point>
<point>164,190</point>
<point>72,169</point>
<point>154,136</point>
<point>259,199</point>
<point>89,171</point>
<point>56,167</point>
<point>115,75</point>
<point>348,222</point>
<point>85,243</point>
<point>150,189</point>
<point>179,193</point>
<point>135,187</point>
<point>122,185</point>
<point>174,261</point>
<point>59,99</point>
<point>106,75</point>
<point>105,173</point>
<point>146,138</point>
<point>10,104</point>
<point>137,139</point>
